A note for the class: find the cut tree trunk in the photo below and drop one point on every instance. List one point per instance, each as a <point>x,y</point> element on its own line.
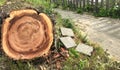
<point>26,34</point>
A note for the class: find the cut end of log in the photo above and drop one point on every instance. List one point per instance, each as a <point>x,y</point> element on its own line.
<point>26,34</point>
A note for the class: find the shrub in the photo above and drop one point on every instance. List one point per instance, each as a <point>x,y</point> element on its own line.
<point>79,10</point>
<point>67,23</point>
<point>102,12</point>
<point>89,8</point>
<point>114,12</point>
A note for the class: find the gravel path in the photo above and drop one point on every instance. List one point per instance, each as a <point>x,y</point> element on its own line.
<point>105,31</point>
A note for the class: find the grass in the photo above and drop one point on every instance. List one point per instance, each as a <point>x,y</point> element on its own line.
<point>48,8</point>
<point>9,64</point>
<point>112,12</point>
<point>77,61</point>
<point>2,2</point>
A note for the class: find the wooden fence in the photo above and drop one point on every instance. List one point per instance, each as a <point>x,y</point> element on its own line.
<point>95,4</point>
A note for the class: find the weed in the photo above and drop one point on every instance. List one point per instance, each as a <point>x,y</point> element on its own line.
<point>83,64</point>
<point>48,8</point>
<point>73,53</point>
<point>114,12</point>
<point>67,23</point>
<point>97,61</point>
<point>10,64</point>
<point>102,12</point>
<point>2,2</point>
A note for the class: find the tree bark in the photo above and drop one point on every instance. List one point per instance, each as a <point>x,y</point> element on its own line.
<point>26,34</point>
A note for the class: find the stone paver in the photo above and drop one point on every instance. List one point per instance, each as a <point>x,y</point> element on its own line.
<point>105,31</point>
<point>85,49</point>
<point>68,42</point>
<point>67,32</point>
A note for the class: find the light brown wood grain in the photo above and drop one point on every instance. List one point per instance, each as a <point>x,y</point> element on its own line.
<point>26,34</point>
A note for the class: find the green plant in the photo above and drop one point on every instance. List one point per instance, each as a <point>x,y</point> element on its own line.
<point>10,64</point>
<point>84,38</point>
<point>74,64</point>
<point>48,8</point>
<point>73,53</point>
<point>20,65</point>
<point>2,2</point>
<point>67,23</point>
<point>114,12</point>
<point>102,13</point>
<point>89,8</point>
<point>79,10</point>
<point>83,64</point>
<point>64,5</point>
<point>99,59</point>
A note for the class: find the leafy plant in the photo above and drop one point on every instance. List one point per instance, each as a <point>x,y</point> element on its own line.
<point>83,64</point>
<point>73,53</point>
<point>48,8</point>
<point>67,23</point>
<point>102,12</point>
<point>114,12</point>
<point>84,38</point>
<point>79,10</point>
<point>89,8</point>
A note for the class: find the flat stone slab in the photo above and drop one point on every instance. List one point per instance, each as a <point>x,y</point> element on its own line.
<point>67,31</point>
<point>85,49</point>
<point>68,42</point>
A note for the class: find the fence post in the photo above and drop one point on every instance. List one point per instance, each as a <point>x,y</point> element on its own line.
<point>71,4</point>
<point>83,4</point>
<point>107,4</point>
<point>62,3</point>
<point>113,3</point>
<point>77,3</point>
<point>96,6</point>
<point>88,2</point>
<point>102,3</point>
<point>80,3</point>
<point>68,3</point>
<point>74,5</point>
<point>91,2</point>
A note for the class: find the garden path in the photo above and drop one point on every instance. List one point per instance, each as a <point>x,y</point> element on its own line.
<point>102,30</point>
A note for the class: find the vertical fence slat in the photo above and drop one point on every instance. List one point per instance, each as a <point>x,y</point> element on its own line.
<point>107,4</point>
<point>72,4</point>
<point>77,1</point>
<point>63,3</point>
<point>83,4</point>
<point>80,3</point>
<point>88,2</point>
<point>113,3</point>
<point>96,6</point>
<point>102,3</point>
<point>68,3</point>
<point>91,2</point>
<point>119,4</point>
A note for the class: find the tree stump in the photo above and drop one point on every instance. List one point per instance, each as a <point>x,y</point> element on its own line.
<point>26,34</point>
